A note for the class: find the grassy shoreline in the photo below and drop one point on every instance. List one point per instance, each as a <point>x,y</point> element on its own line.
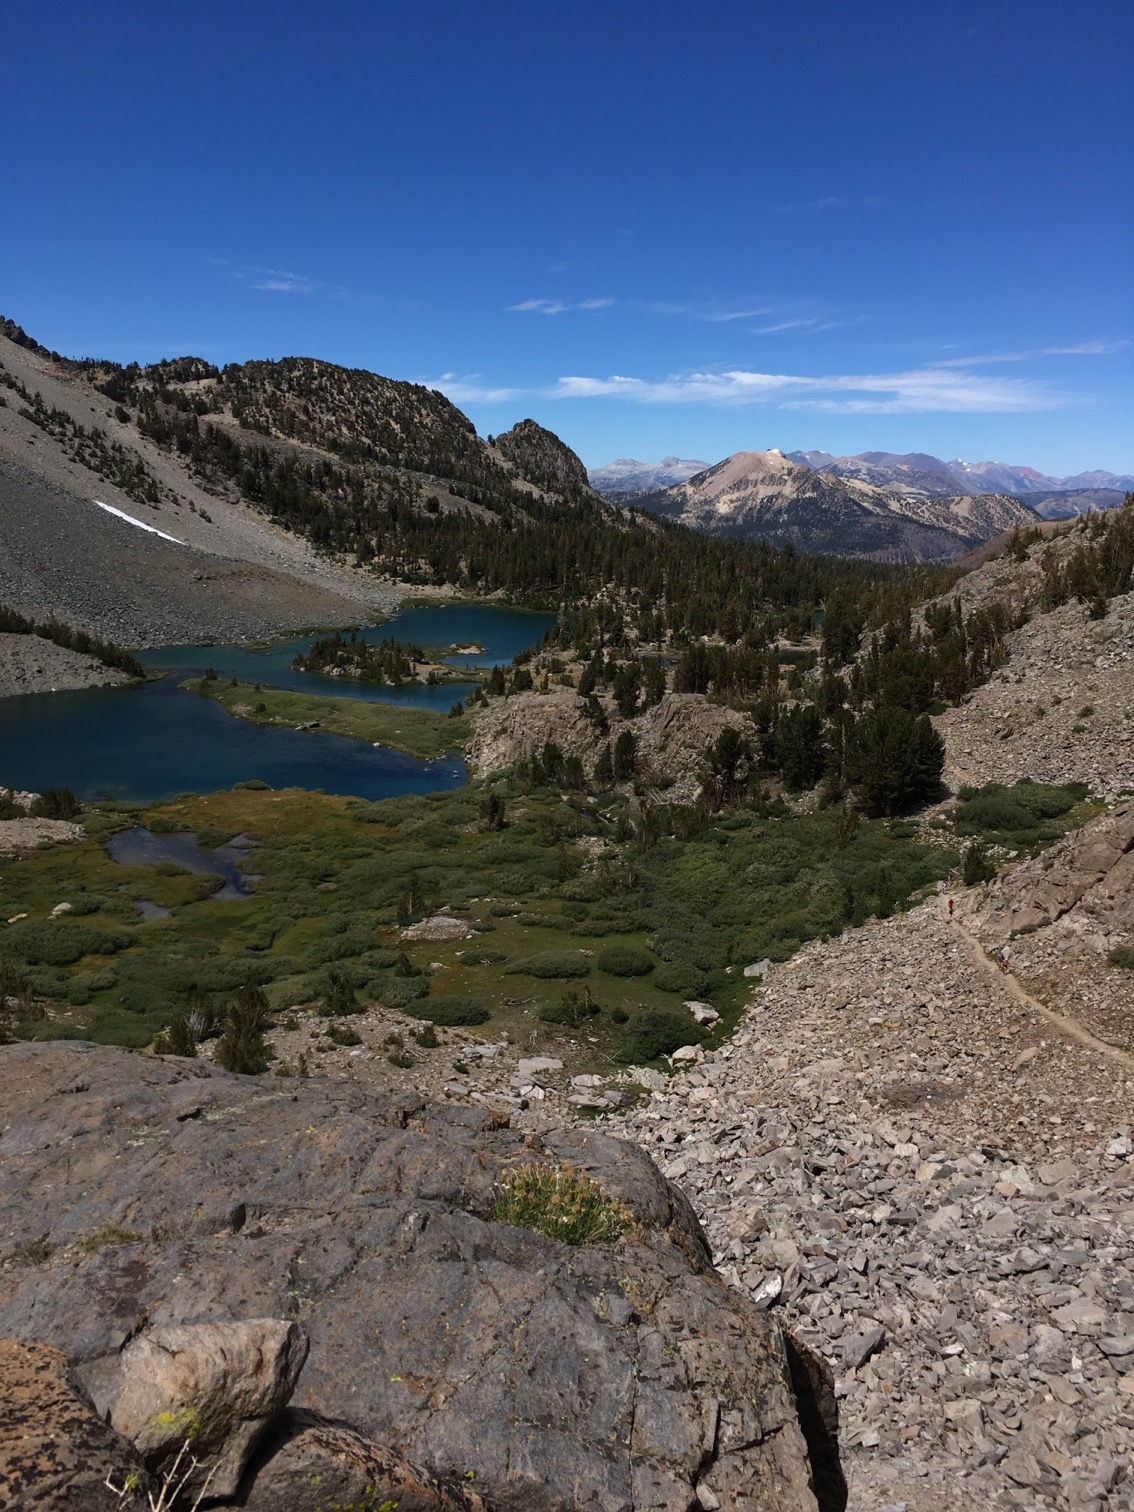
<point>415,732</point>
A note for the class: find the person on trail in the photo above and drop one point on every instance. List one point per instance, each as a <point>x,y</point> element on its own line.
<point>1002,958</point>
<point>950,910</point>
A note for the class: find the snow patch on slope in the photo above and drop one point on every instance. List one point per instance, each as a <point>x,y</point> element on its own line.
<point>130,520</point>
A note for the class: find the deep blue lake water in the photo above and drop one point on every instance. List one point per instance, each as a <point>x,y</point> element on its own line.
<point>149,743</point>
<point>501,632</point>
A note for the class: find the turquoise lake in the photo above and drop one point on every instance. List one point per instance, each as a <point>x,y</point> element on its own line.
<point>149,743</point>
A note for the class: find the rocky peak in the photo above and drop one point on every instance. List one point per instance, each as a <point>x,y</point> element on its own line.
<point>540,457</point>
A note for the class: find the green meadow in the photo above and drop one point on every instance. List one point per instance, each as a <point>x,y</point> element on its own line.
<point>589,921</point>
<point>417,732</point>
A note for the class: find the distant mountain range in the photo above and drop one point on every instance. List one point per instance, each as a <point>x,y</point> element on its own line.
<point>908,474</point>
<point>771,497</point>
<point>628,476</point>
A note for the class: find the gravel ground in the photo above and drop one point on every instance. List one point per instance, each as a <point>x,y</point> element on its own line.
<point>1061,711</point>
<point>30,664</point>
<point>938,1184</point>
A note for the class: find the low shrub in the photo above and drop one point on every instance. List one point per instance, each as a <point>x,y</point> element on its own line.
<point>657,1033</point>
<point>57,942</point>
<point>675,976</point>
<point>352,942</point>
<point>209,837</point>
<point>56,803</point>
<point>1122,955</point>
<point>624,961</point>
<point>340,998</point>
<point>550,964</point>
<point>571,1010</point>
<point>978,868</point>
<point>588,888</point>
<point>449,1009</point>
<point>177,1038</point>
<point>398,992</point>
<point>242,1046</point>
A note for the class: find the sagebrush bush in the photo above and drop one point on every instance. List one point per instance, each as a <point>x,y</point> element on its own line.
<point>624,961</point>
<point>550,964</point>
<point>657,1033</point>
<point>448,1009</point>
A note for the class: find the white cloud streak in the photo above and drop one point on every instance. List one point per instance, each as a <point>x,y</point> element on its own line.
<point>277,280</point>
<point>1083,349</point>
<point>558,306</point>
<point>916,391</point>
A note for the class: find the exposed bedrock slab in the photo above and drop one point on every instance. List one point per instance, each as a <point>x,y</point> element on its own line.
<point>144,1194</point>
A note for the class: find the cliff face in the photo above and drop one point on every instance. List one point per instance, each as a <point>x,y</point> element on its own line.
<point>149,1196</point>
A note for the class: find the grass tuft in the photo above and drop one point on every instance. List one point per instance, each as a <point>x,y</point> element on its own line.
<point>560,1203</point>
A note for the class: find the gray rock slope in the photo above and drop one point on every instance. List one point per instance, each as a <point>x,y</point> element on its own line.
<point>144,1193</point>
<point>228,573</point>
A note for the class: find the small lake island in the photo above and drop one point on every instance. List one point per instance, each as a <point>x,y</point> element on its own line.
<point>388,662</point>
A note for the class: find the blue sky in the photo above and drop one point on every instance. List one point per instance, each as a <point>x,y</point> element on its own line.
<point>654,228</point>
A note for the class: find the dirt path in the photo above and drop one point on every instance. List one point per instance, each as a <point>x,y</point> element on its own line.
<point>1069,1026</point>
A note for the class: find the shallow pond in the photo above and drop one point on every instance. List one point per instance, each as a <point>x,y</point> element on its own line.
<point>142,847</point>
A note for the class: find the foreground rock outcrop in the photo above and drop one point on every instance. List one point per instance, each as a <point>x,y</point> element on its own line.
<point>145,1197</point>
<point>56,1453</point>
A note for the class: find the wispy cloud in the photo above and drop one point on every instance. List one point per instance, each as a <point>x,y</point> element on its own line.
<point>813,206</point>
<point>791,315</point>
<point>916,391</point>
<point>470,388</point>
<point>727,315</point>
<point>1083,349</point>
<point>559,306</point>
<point>276,280</point>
